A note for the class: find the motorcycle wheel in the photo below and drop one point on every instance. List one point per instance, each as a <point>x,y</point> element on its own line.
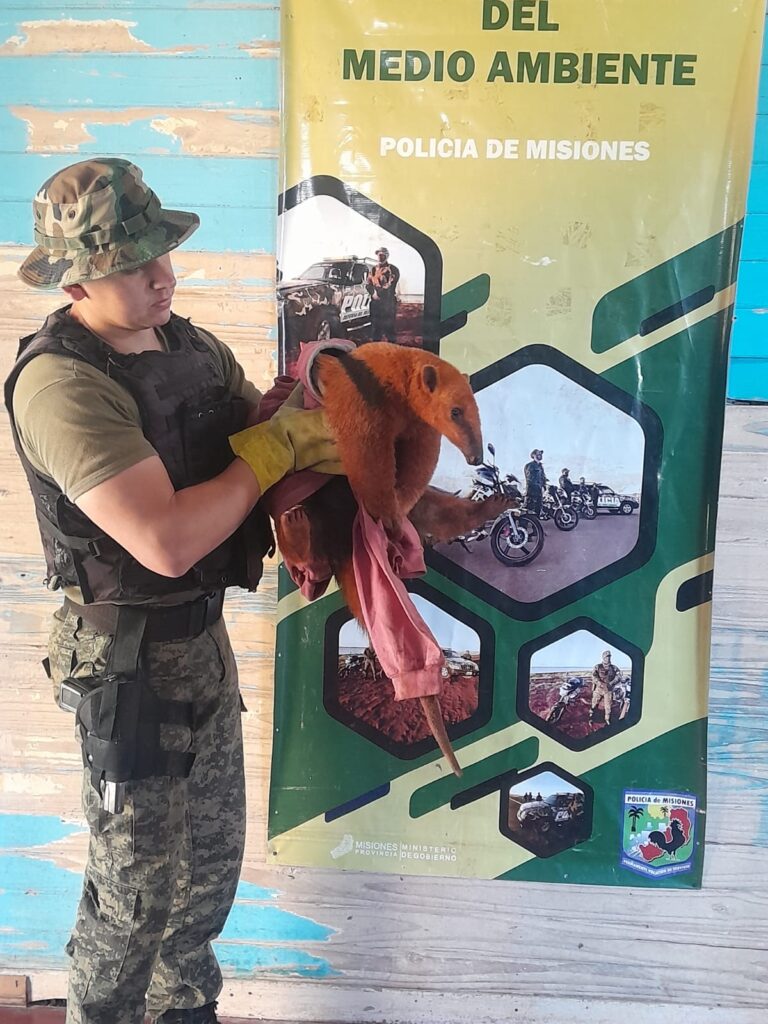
<point>517,550</point>
<point>556,713</point>
<point>589,512</point>
<point>566,519</point>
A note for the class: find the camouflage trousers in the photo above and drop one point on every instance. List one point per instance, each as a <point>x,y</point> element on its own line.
<point>160,877</point>
<point>601,692</point>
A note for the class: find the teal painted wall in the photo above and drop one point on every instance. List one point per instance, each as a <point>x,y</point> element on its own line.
<point>748,376</point>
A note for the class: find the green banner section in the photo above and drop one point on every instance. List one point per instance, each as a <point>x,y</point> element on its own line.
<point>444,194</point>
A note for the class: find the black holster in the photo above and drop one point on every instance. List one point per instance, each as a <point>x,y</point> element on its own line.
<point>119,719</point>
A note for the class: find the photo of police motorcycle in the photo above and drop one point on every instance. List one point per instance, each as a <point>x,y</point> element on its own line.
<point>571,461</point>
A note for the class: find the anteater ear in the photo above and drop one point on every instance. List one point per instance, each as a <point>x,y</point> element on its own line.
<point>429,376</point>
<point>466,377</point>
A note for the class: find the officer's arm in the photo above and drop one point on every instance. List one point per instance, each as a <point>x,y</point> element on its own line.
<point>165,530</point>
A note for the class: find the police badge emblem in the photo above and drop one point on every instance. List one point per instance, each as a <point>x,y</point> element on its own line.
<point>658,833</point>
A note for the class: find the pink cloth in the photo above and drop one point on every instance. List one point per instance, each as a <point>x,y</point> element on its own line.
<point>405,646</point>
<point>272,400</point>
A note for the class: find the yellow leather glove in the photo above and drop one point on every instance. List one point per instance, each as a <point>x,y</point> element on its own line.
<point>294,438</point>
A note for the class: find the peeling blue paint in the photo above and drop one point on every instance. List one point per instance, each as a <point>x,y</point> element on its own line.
<point>207,34</point>
<point>38,901</point>
<point>22,831</point>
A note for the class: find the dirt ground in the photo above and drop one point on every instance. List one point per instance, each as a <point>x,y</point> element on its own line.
<point>373,702</point>
<point>408,324</point>
<point>543,694</point>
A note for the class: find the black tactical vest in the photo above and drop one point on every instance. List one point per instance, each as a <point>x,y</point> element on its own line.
<point>187,414</point>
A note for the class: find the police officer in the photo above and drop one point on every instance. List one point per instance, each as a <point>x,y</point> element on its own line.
<point>605,676</point>
<point>535,479</point>
<point>121,413</point>
<point>381,285</point>
<point>566,484</point>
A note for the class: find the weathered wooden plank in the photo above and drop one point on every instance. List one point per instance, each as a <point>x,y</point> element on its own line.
<point>757,199</point>
<point>29,32</point>
<point>170,8</point>
<point>182,131</point>
<point>761,134</point>
<point>755,243</point>
<point>750,332</point>
<point>333,1002</point>
<point>68,81</point>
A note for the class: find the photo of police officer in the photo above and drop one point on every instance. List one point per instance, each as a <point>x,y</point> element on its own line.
<point>344,276</point>
<point>608,683</point>
<point>567,486</point>
<point>535,479</point>
<point>381,285</point>
<point>579,686</point>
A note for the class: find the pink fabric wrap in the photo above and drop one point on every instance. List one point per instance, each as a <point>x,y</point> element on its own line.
<point>405,646</point>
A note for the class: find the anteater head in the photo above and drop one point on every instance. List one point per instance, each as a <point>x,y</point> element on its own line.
<point>449,406</point>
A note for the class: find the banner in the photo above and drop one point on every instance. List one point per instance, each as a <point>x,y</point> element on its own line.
<point>549,195</point>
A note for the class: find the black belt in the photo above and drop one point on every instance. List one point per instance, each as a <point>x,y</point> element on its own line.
<point>172,622</point>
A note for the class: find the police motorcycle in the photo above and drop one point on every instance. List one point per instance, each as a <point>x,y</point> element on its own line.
<point>568,692</point>
<point>583,505</point>
<point>554,506</point>
<point>487,482</point>
<point>516,537</point>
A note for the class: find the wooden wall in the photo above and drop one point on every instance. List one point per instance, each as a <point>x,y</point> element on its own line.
<point>188,88</point>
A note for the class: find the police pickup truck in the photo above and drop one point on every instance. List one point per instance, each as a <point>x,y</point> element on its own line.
<point>618,504</point>
<point>328,300</point>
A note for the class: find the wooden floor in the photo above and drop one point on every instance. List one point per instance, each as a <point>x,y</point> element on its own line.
<point>340,947</point>
<point>51,1015</point>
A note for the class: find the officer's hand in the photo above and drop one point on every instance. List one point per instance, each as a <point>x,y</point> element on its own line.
<point>293,439</point>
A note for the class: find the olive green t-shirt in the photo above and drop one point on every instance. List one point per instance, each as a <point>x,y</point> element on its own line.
<point>80,428</point>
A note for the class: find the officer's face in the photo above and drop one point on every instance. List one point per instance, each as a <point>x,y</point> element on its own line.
<point>134,300</point>
<point>607,658</point>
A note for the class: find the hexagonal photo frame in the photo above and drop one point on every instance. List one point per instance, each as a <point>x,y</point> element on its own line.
<point>330,283</point>
<point>589,502</point>
<point>580,684</point>
<point>358,694</point>
<point>546,810</point>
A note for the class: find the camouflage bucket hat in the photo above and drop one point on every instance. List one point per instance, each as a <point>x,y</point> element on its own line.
<point>97,218</point>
